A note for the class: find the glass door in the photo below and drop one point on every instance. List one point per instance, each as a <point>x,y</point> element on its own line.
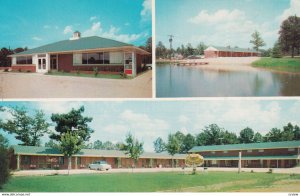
<point>128,63</point>
<point>41,64</point>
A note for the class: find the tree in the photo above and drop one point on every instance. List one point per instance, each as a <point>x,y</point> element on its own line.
<point>4,161</point>
<point>258,138</point>
<point>257,41</point>
<point>159,145</point>
<point>188,143</point>
<point>4,59</point>
<point>246,135</point>
<point>161,50</point>
<point>133,148</point>
<point>288,132</point>
<point>289,34</point>
<point>51,144</point>
<point>296,133</point>
<point>173,146</point>
<point>180,137</point>
<point>213,135</point>
<point>148,45</point>
<point>276,51</point>
<point>70,144</point>
<point>274,135</point>
<point>72,121</point>
<point>97,144</point>
<point>194,160</point>
<point>200,48</point>
<point>189,49</point>
<point>230,138</point>
<point>108,145</point>
<point>28,129</point>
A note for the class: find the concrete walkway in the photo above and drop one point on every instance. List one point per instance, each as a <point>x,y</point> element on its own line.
<point>147,170</point>
<point>34,85</point>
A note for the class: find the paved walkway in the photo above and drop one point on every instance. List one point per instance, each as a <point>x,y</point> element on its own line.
<point>146,170</point>
<point>34,85</point>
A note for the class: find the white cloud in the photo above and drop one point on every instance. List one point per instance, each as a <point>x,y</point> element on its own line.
<point>58,106</point>
<point>112,33</point>
<point>183,119</point>
<point>147,9</point>
<point>68,29</point>
<point>35,38</point>
<point>93,18</point>
<point>294,9</point>
<point>217,17</point>
<point>127,24</point>
<point>46,26</point>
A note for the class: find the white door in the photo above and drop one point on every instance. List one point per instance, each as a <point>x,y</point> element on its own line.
<point>41,64</point>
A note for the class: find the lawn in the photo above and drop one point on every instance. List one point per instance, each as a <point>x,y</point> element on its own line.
<point>152,182</point>
<point>109,76</point>
<point>286,64</point>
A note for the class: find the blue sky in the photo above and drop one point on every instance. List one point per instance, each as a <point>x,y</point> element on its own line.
<point>221,22</point>
<point>147,120</point>
<point>33,23</point>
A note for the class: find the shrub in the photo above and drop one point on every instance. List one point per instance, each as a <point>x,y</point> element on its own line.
<point>270,171</point>
<point>50,72</point>
<point>77,71</point>
<point>95,69</point>
<point>5,70</point>
<point>28,71</point>
<point>20,70</point>
<point>123,75</point>
<point>4,166</point>
<point>252,171</point>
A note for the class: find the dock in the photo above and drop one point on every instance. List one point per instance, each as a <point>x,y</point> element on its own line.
<point>192,63</point>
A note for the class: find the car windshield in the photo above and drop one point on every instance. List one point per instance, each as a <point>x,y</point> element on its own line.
<point>102,162</point>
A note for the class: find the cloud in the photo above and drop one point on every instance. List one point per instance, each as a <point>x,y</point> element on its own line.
<point>112,33</point>
<point>94,30</point>
<point>58,106</point>
<point>183,119</point>
<point>294,9</point>
<point>35,38</point>
<point>127,24</point>
<point>217,17</point>
<point>147,10</point>
<point>93,18</point>
<point>68,29</point>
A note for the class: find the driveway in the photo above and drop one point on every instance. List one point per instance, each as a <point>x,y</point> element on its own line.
<point>34,85</point>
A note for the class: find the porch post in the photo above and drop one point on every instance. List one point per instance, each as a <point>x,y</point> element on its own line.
<point>76,167</point>
<point>47,62</point>
<point>18,162</point>
<point>240,161</point>
<point>133,64</point>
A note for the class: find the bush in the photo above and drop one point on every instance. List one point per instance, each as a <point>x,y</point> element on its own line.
<point>28,71</point>
<point>270,171</point>
<point>5,70</point>
<point>77,71</point>
<point>123,75</point>
<point>50,72</point>
<point>95,71</point>
<point>20,70</point>
<point>4,166</point>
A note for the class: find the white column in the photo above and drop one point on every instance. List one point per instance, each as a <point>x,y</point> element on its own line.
<point>133,64</point>
<point>47,62</point>
<point>18,162</point>
<point>240,161</point>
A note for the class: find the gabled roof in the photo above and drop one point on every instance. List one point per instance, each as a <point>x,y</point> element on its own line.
<point>231,49</point>
<point>264,145</point>
<point>36,150</point>
<point>84,43</point>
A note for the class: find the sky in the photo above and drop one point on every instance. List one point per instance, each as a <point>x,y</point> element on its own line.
<point>34,23</point>
<point>221,22</point>
<point>149,119</point>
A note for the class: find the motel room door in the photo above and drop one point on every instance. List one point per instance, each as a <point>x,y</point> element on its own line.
<point>41,64</point>
<point>128,63</point>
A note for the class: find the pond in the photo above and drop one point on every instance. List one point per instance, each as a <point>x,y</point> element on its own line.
<point>182,81</point>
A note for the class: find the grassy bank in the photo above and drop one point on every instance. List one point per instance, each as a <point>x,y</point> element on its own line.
<point>150,182</point>
<point>286,64</point>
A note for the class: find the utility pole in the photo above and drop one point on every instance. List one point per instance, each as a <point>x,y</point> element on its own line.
<point>171,49</point>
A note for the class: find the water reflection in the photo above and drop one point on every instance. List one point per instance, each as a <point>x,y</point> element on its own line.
<point>180,81</point>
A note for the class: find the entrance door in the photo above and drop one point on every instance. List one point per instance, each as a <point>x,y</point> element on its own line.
<point>42,64</point>
<point>128,63</point>
<point>53,62</point>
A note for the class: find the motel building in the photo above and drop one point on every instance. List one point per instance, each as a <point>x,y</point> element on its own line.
<point>33,157</point>
<point>254,155</point>
<point>83,54</point>
<point>215,51</point>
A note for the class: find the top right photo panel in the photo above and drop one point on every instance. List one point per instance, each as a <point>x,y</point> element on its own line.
<point>227,48</point>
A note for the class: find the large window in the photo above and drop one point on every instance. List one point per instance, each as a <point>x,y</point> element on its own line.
<point>24,60</point>
<point>92,58</point>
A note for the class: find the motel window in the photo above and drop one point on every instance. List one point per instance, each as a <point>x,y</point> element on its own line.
<point>26,160</point>
<point>78,160</point>
<point>77,59</point>
<point>116,57</point>
<point>213,152</point>
<point>214,162</point>
<point>249,150</point>
<point>24,60</point>
<point>261,150</point>
<point>291,149</point>
<point>61,160</point>
<point>225,151</point>
<point>92,58</point>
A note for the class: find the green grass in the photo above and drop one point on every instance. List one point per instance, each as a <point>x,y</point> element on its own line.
<point>109,76</point>
<point>286,64</point>
<point>144,182</point>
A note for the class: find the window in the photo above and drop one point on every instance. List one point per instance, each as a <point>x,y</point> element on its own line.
<point>291,149</point>
<point>26,160</point>
<point>61,160</point>
<point>249,150</point>
<point>24,60</point>
<point>261,150</point>
<point>78,160</point>
<point>225,151</point>
<point>91,58</point>
<point>213,152</point>
<point>116,57</point>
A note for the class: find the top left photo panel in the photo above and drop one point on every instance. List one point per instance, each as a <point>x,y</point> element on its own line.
<point>75,49</point>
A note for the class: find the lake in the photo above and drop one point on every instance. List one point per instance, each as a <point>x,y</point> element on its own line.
<point>182,81</point>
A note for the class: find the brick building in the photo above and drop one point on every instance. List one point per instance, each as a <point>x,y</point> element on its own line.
<point>215,51</point>
<point>254,155</point>
<point>83,54</point>
<point>33,157</point>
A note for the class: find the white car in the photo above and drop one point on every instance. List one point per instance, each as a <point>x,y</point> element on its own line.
<point>100,165</point>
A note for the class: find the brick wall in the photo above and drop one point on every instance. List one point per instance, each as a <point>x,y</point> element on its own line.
<point>24,68</point>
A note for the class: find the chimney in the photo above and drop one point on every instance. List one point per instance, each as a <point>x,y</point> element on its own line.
<point>76,35</point>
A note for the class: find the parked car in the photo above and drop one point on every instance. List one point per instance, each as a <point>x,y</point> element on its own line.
<point>100,165</point>
<point>148,66</point>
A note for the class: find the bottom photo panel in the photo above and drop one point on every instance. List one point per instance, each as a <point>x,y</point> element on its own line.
<point>218,145</point>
